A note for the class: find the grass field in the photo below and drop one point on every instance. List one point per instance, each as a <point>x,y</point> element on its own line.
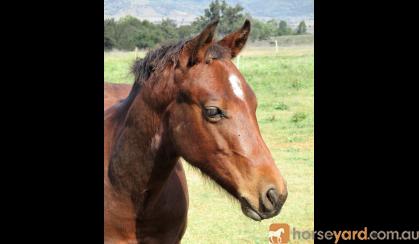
<point>283,83</point>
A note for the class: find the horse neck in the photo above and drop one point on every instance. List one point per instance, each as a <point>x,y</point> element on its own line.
<point>142,156</point>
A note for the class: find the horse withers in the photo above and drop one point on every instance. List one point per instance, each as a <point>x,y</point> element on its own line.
<point>188,100</point>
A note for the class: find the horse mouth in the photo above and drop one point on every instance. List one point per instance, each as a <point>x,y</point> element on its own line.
<point>249,211</point>
<point>254,214</point>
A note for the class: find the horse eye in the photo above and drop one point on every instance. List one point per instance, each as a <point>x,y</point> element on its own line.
<point>213,113</point>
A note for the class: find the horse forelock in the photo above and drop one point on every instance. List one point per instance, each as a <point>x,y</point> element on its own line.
<point>157,60</point>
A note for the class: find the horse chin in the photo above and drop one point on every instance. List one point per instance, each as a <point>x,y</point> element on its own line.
<point>251,214</point>
<point>249,211</point>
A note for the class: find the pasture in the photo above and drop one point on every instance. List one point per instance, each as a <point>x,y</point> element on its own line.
<point>283,83</point>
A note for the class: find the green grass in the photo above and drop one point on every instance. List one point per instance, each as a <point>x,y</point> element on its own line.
<point>283,83</point>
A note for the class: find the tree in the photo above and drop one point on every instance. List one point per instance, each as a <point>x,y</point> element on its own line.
<point>108,43</point>
<point>109,34</point>
<point>284,29</point>
<point>169,30</point>
<point>302,28</point>
<point>272,27</point>
<point>148,35</point>
<point>147,39</point>
<point>185,31</point>
<point>230,17</point>
<point>129,28</point>
<point>257,30</point>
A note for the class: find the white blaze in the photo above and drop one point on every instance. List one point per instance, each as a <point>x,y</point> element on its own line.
<point>236,85</point>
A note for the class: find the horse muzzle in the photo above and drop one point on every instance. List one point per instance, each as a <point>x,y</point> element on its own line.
<point>270,204</point>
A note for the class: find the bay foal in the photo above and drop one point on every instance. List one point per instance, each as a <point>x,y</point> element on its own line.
<point>188,100</point>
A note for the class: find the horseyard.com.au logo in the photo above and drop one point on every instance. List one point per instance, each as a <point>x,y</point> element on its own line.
<point>279,233</point>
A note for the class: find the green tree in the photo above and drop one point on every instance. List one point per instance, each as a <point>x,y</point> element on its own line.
<point>284,29</point>
<point>302,28</point>
<point>272,27</point>
<point>110,33</point>
<point>257,30</point>
<point>231,17</point>
<point>185,31</point>
<point>147,39</point>
<point>148,35</point>
<point>263,30</point>
<point>108,43</point>
<point>169,30</point>
<point>129,28</point>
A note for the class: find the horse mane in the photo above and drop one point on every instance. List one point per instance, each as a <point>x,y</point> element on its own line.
<point>155,60</point>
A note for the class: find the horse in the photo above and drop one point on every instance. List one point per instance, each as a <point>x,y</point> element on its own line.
<point>114,93</point>
<point>278,234</point>
<point>189,101</point>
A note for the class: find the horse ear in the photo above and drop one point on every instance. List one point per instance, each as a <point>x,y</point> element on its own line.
<point>235,41</point>
<point>190,53</point>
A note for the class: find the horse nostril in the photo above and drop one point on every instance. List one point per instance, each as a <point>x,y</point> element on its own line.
<point>272,196</point>
<point>271,202</point>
